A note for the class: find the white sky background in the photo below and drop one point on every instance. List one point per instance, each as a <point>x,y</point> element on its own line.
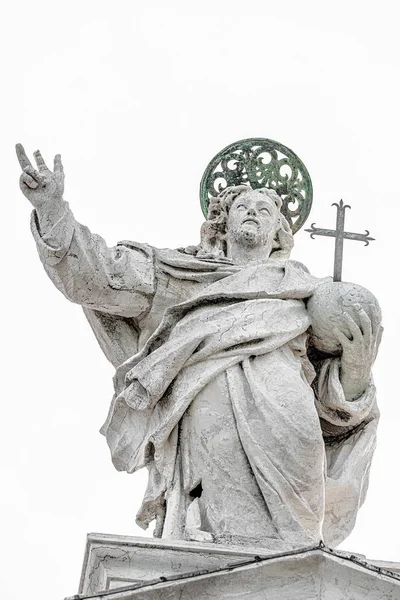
<point>138,97</point>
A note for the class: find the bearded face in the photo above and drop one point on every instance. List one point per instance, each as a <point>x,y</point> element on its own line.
<point>253,219</point>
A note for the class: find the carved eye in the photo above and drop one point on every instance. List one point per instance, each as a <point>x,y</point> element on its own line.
<point>265,210</point>
<point>240,206</point>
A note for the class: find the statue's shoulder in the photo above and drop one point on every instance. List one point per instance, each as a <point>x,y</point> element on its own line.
<point>168,254</point>
<point>142,253</point>
<point>296,266</point>
<point>142,247</point>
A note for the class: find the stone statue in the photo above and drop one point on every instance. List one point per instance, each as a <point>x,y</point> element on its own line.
<point>243,383</point>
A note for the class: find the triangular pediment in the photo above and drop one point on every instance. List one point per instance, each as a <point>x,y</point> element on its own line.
<point>121,568</point>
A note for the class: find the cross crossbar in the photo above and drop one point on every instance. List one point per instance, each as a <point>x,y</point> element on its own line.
<point>340,235</point>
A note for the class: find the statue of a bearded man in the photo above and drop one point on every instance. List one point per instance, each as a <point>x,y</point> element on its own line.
<point>251,433</point>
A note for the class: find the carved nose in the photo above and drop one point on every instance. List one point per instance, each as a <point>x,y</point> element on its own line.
<point>251,211</point>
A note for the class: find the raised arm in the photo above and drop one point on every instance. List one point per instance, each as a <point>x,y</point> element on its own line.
<point>118,280</point>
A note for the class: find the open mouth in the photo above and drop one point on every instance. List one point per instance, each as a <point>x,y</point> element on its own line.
<point>250,220</point>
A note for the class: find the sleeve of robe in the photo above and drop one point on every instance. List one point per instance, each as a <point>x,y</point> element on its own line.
<point>115,286</point>
<point>349,430</point>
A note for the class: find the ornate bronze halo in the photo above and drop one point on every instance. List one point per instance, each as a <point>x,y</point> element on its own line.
<point>260,162</point>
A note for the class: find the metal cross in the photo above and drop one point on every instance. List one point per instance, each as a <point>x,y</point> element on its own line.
<point>340,235</point>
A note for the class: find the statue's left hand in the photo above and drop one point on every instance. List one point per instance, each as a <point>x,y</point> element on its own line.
<point>358,351</point>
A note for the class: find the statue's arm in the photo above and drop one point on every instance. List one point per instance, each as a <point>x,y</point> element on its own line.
<point>359,350</point>
<point>331,402</point>
<point>345,392</point>
<point>117,280</point>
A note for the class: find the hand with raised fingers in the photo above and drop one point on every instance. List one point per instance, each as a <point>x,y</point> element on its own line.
<point>40,185</point>
<point>360,345</point>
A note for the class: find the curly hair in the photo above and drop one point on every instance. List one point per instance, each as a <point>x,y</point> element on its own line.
<point>213,230</point>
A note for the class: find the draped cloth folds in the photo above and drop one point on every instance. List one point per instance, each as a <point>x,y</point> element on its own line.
<point>244,438</point>
<point>241,328</point>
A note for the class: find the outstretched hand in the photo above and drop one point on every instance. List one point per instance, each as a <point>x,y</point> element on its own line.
<point>358,351</point>
<point>40,185</point>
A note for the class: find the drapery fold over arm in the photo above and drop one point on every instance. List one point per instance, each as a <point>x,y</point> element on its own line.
<point>331,403</point>
<point>117,280</point>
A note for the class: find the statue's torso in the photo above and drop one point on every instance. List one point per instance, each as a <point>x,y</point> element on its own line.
<point>173,289</point>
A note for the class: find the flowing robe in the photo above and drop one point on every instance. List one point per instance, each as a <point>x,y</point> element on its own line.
<point>245,441</point>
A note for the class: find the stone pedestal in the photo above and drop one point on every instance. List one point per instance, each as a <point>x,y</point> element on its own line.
<point>125,568</point>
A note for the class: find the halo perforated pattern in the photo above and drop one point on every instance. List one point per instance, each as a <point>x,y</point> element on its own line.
<point>260,162</point>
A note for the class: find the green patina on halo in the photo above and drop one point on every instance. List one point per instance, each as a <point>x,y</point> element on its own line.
<point>260,162</point>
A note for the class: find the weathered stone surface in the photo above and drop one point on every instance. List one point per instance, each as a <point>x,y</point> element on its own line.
<point>123,568</point>
<point>112,561</point>
<point>252,437</point>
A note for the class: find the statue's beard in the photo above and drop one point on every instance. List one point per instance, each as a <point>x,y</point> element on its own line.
<point>250,237</point>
